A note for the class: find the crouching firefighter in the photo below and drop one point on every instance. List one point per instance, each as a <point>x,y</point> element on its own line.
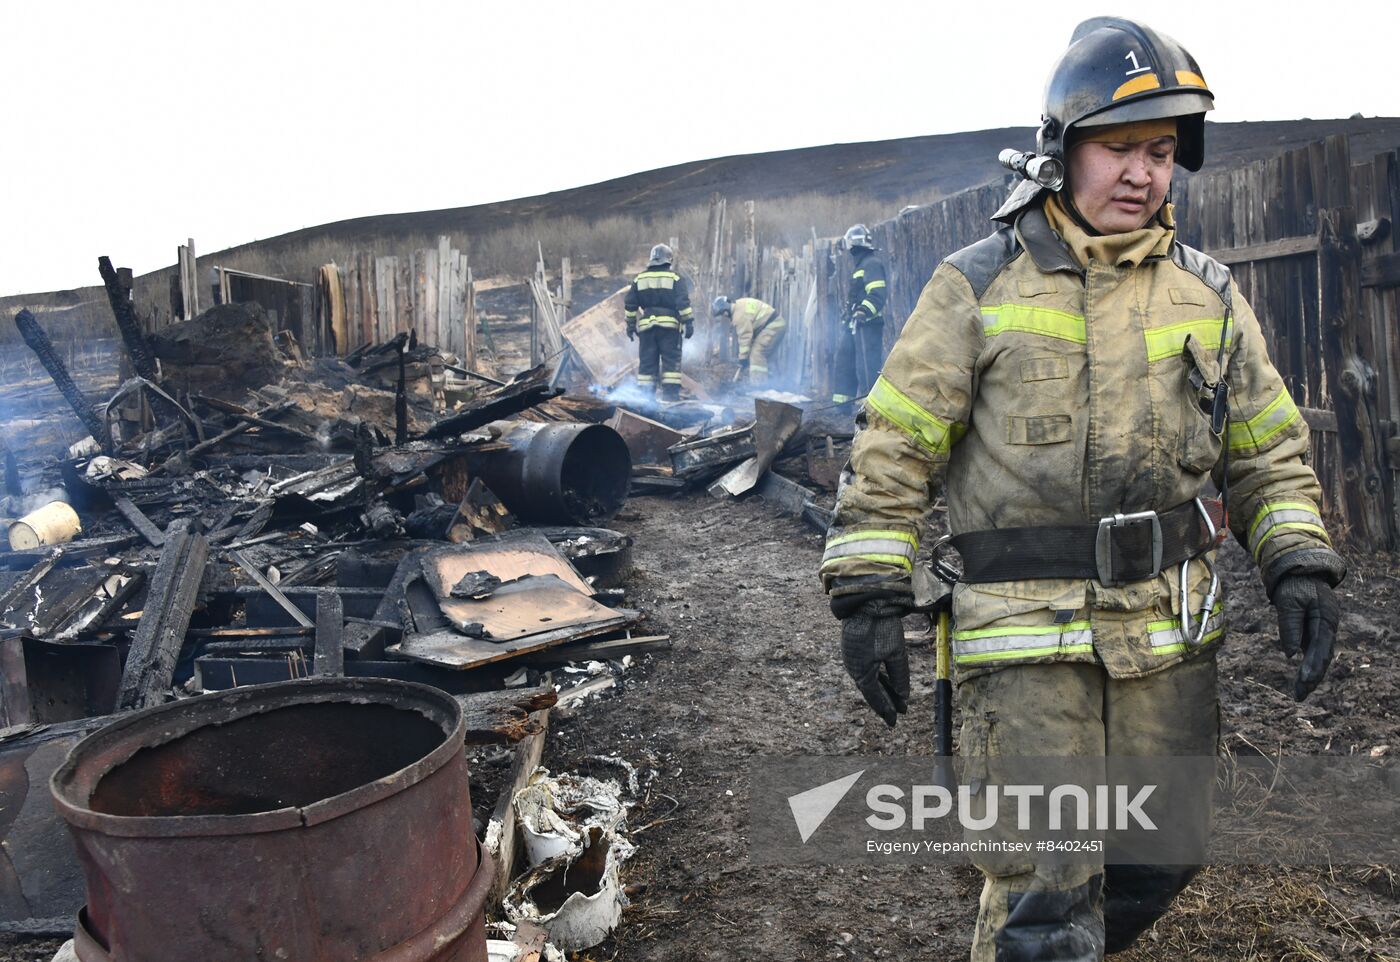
<point>1075,381</point>
<point>758,327</point>
<point>657,307</point>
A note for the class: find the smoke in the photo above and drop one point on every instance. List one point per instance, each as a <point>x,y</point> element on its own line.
<point>19,506</point>
<point>629,394</point>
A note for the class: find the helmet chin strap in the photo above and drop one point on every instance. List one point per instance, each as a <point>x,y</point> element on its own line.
<point>1067,201</point>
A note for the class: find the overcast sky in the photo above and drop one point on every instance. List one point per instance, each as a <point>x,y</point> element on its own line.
<point>129,126</point>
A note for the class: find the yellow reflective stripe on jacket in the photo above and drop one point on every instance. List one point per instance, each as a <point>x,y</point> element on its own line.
<point>1165,636</point>
<point>687,311</point>
<point>874,286</point>
<point>1002,644</point>
<point>1163,342</point>
<point>1275,517</point>
<point>658,320</point>
<point>930,432</point>
<point>841,398</point>
<point>1254,434</point>
<point>859,273</point>
<point>870,308</point>
<point>884,547</point>
<point>1005,318</point>
<point>656,280</point>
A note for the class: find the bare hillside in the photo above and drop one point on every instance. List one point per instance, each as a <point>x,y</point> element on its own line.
<point>819,188</point>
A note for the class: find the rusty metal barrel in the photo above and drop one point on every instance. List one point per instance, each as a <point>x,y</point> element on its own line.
<point>322,819</point>
<point>556,473</point>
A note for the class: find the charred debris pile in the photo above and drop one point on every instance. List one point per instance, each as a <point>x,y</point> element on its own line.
<point>242,514</point>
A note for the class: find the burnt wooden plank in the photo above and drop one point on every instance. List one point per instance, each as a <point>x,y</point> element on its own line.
<point>137,519</point>
<point>271,589</point>
<point>502,836</point>
<point>160,634</point>
<point>330,626</point>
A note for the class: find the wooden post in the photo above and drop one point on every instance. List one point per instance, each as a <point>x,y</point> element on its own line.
<point>441,323</point>
<point>1349,380</point>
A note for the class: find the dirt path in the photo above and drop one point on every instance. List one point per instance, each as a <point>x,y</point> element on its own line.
<point>755,671</point>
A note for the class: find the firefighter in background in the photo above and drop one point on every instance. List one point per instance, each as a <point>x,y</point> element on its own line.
<point>759,328</point>
<point>658,308</point>
<point>861,342</point>
<point>1078,378</point>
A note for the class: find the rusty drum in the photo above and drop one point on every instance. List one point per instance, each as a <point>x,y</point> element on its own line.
<point>321,819</point>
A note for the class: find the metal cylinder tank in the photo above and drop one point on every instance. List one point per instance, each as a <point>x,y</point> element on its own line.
<point>320,819</point>
<point>557,473</point>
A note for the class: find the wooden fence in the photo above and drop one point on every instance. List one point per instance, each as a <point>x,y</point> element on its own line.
<point>429,292</point>
<point>1308,235</point>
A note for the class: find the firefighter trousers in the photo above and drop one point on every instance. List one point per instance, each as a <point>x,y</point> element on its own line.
<point>765,345</point>
<point>659,360</point>
<point>1079,912</point>
<point>859,355</point>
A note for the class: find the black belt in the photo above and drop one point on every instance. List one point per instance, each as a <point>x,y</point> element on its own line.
<point>1118,550</point>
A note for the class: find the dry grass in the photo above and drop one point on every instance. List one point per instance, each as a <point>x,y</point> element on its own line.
<point>1273,914</point>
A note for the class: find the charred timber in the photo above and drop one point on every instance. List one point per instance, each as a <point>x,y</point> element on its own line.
<point>39,343</point>
<point>118,284</point>
<point>525,391</point>
<point>160,634</point>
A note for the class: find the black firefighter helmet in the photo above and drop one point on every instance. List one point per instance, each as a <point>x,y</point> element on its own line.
<point>1116,71</point>
<point>1119,71</point>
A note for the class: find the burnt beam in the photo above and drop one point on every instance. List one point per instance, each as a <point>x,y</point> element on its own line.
<point>38,341</point>
<point>160,634</point>
<point>117,281</point>
<point>330,626</point>
<point>137,519</point>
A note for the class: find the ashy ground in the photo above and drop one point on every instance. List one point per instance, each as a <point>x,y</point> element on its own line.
<point>755,671</point>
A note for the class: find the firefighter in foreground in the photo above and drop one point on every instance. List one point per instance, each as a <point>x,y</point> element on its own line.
<point>657,307</point>
<point>860,343</point>
<point>1074,381</point>
<point>759,328</point>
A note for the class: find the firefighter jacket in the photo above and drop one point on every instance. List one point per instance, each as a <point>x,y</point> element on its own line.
<point>750,315</point>
<point>658,297</point>
<point>1048,382</point>
<point>866,291</point>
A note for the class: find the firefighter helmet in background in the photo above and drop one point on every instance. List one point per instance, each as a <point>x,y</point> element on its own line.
<point>719,306</point>
<point>858,235</point>
<point>660,254</point>
<point>1119,71</point>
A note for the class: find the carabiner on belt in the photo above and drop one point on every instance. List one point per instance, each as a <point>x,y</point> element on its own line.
<point>1185,628</point>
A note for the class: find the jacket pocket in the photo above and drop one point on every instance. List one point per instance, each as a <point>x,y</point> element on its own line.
<point>1040,429</point>
<point>1044,369</point>
<point>1200,446</point>
<point>1019,622</point>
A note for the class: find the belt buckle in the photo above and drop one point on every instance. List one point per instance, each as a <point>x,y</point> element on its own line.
<point>1103,547</point>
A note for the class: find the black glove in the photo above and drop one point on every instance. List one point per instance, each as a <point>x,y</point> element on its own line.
<point>743,364</point>
<point>1308,614</point>
<point>631,332</point>
<point>872,649</point>
<point>858,318</point>
<point>689,330</point>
